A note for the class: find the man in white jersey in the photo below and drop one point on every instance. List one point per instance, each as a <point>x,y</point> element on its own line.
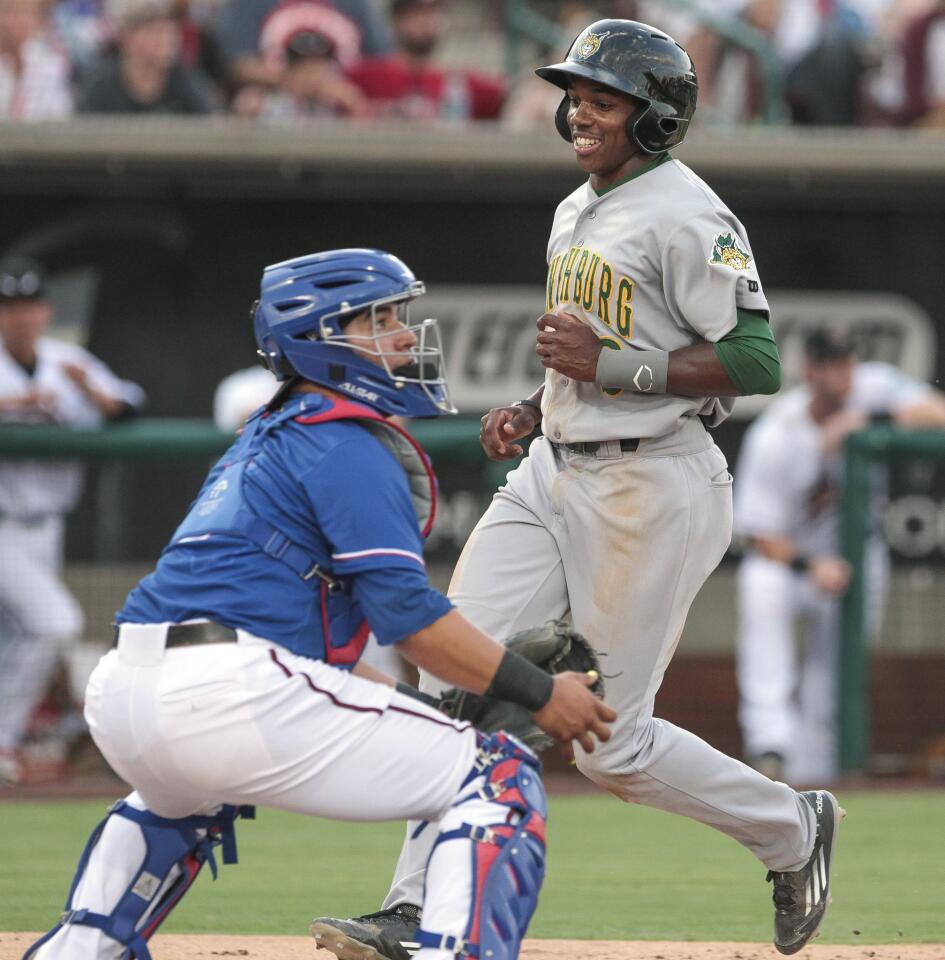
<point>786,507</point>
<point>655,321</point>
<point>42,380</point>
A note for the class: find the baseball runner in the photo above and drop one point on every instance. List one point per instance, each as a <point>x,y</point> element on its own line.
<point>42,380</point>
<point>235,677</point>
<point>655,321</point>
<point>786,506</point>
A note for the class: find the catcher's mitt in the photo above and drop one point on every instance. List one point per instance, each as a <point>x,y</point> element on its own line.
<point>555,647</point>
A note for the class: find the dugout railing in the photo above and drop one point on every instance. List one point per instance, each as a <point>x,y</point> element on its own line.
<point>193,442</point>
<point>884,445</point>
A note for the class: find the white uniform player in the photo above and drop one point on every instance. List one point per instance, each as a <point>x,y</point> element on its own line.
<point>42,380</point>
<point>656,321</point>
<point>786,506</point>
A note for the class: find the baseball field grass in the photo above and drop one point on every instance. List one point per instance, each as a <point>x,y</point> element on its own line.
<point>615,872</point>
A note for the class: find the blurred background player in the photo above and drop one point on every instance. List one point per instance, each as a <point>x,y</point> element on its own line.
<point>42,380</point>
<point>236,677</point>
<point>787,506</point>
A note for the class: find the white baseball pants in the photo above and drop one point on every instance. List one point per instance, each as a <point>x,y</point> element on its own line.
<point>192,728</point>
<point>38,617</point>
<point>788,689</point>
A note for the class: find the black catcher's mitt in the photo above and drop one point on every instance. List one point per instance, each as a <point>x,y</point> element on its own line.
<point>555,647</point>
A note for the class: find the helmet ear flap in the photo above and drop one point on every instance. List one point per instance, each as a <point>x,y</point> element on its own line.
<point>561,118</point>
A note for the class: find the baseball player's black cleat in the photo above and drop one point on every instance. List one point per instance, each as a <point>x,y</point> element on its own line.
<point>801,897</point>
<point>385,935</point>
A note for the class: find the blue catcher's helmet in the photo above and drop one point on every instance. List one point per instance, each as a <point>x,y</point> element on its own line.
<point>304,305</point>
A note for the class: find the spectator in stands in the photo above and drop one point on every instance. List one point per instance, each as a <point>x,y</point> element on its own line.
<point>910,89</point>
<point>144,74</point>
<point>410,84</point>
<point>240,29</point>
<point>42,380</point>
<point>308,45</point>
<point>34,72</point>
<point>82,27</point>
<point>200,47</point>
<point>821,49</point>
<point>86,31</point>
<point>531,101</point>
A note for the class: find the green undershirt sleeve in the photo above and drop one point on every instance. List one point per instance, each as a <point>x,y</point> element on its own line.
<point>750,355</point>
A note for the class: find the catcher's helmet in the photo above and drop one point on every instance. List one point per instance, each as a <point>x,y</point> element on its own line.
<point>299,322</point>
<point>639,60</point>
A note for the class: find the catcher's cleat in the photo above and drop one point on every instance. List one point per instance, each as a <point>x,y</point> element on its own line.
<point>801,897</point>
<point>385,935</point>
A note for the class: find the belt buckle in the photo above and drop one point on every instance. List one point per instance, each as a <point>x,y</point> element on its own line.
<point>609,450</point>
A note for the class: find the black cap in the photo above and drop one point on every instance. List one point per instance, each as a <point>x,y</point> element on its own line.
<point>21,279</point>
<point>309,43</point>
<point>823,345</point>
<point>401,6</point>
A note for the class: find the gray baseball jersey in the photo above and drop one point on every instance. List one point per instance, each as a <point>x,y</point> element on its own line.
<point>657,263</point>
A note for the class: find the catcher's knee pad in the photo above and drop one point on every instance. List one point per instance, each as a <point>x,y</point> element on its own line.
<point>508,861</point>
<point>175,851</point>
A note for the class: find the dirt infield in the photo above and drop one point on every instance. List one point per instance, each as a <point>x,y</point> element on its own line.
<point>173,947</point>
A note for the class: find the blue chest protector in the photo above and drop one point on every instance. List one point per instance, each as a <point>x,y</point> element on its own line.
<point>222,509</point>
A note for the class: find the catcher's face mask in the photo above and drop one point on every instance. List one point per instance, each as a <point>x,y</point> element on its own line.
<point>340,318</point>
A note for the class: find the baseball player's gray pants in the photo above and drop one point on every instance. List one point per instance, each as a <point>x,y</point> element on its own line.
<point>625,544</point>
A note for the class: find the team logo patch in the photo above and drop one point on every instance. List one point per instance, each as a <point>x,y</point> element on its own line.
<point>590,45</point>
<point>727,253</point>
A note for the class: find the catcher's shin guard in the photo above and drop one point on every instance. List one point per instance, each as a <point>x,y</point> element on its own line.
<point>175,851</point>
<point>504,792</point>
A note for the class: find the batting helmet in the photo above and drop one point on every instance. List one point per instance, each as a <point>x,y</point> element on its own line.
<point>639,60</point>
<point>299,322</point>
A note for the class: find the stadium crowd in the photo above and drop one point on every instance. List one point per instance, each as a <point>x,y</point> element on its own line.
<point>819,62</point>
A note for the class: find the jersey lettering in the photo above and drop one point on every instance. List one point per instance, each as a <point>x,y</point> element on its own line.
<point>553,269</point>
<point>565,282</point>
<point>604,290</point>
<point>587,294</point>
<point>581,276</point>
<point>625,308</point>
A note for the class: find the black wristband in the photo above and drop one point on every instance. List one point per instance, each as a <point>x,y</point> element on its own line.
<point>529,403</point>
<point>520,681</point>
<point>800,563</point>
<point>409,691</point>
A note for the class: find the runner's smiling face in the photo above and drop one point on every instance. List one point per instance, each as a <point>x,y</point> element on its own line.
<point>597,117</point>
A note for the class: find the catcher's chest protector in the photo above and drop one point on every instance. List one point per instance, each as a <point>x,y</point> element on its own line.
<point>222,510</point>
